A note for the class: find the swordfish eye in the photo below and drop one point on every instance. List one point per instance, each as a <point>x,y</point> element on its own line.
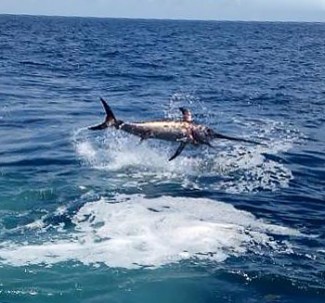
<point>209,132</point>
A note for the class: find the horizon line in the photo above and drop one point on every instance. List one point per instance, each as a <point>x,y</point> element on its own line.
<point>163,19</point>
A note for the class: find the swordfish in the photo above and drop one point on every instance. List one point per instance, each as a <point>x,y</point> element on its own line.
<point>183,131</point>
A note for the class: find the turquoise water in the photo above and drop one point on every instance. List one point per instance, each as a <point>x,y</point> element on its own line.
<point>98,217</point>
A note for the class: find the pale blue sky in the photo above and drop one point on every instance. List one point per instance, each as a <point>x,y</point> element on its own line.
<point>269,10</point>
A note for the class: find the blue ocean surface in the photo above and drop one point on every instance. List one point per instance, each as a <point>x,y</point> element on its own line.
<point>97,217</point>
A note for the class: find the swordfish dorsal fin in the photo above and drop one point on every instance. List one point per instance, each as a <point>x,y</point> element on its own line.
<point>187,115</point>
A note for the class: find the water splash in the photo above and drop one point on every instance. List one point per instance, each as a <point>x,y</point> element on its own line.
<point>231,167</point>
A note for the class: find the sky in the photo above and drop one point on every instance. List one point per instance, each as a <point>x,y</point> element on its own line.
<point>259,10</point>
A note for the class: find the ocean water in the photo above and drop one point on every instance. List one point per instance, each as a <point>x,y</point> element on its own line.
<point>97,217</point>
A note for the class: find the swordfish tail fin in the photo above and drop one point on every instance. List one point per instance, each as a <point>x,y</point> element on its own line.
<point>220,136</point>
<point>110,119</point>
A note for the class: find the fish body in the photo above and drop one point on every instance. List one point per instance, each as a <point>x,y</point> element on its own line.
<point>184,131</point>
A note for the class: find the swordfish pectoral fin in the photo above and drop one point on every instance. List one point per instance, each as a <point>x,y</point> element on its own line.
<point>178,151</point>
<point>209,144</point>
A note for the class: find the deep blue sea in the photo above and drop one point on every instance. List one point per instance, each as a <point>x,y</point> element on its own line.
<point>97,217</point>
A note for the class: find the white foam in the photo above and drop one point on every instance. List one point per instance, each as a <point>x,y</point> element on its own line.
<point>249,170</point>
<point>132,231</point>
<point>85,149</point>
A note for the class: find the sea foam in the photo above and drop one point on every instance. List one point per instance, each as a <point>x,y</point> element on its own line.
<point>131,231</point>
